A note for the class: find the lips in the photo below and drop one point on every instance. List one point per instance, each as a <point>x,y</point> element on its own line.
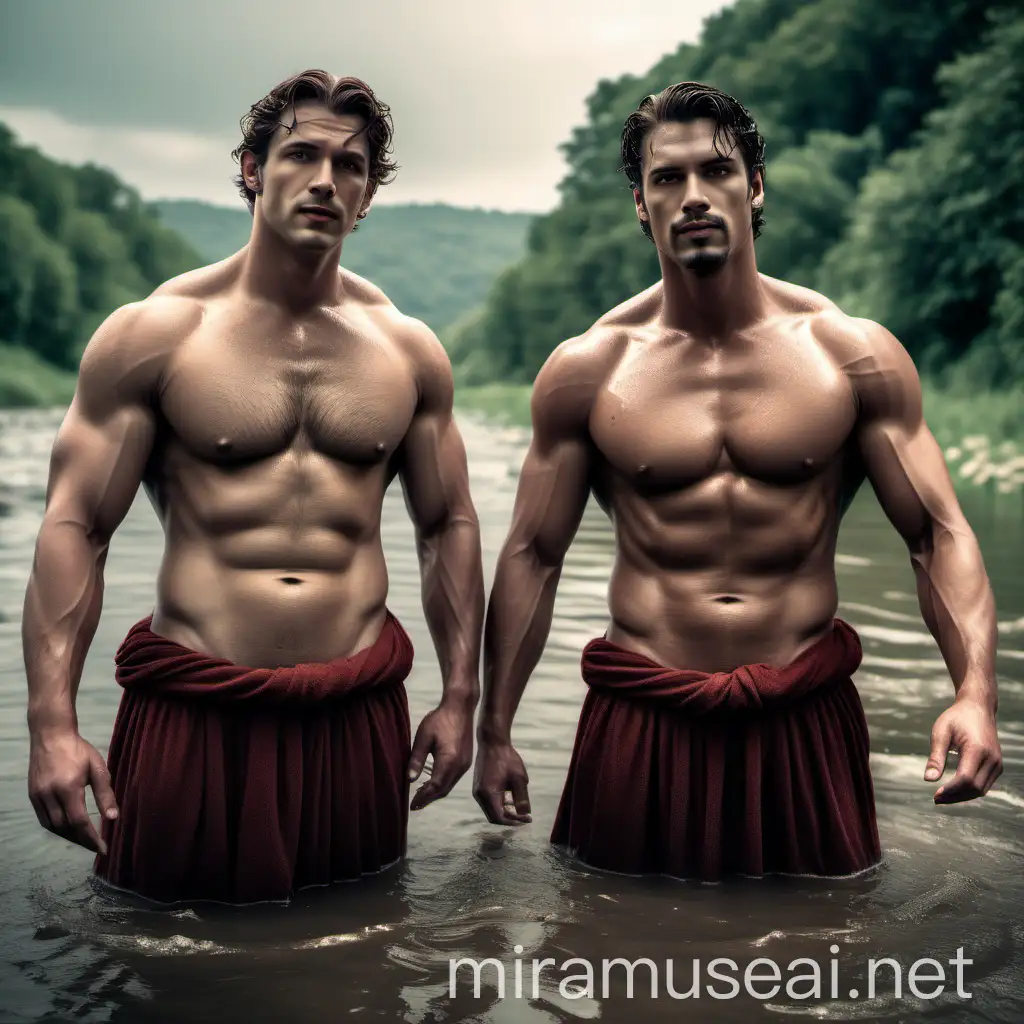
<point>319,211</point>
<point>703,225</point>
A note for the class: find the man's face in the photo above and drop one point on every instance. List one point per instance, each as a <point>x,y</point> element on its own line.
<point>313,185</point>
<point>696,201</point>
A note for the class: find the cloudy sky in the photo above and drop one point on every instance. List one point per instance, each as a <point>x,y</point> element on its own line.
<point>481,91</point>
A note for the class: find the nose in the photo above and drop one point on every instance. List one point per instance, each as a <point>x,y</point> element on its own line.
<point>322,185</point>
<point>694,199</point>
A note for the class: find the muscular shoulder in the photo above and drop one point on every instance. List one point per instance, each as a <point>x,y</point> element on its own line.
<point>881,372</point>
<point>427,359</point>
<point>795,298</point>
<point>203,282</point>
<point>365,293</point>
<point>570,379</point>
<point>637,310</point>
<point>127,354</point>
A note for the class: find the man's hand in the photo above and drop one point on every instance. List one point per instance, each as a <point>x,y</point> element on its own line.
<point>500,770</point>
<point>446,734</point>
<point>61,765</point>
<point>969,728</point>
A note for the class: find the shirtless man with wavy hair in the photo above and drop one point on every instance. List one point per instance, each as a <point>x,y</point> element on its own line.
<point>266,403</point>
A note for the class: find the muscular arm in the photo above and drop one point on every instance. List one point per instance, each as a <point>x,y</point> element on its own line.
<point>96,466</point>
<point>550,501</point>
<point>95,470</point>
<point>554,485</point>
<point>906,468</point>
<point>435,481</point>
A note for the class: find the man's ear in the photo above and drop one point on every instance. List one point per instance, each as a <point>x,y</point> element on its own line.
<point>641,210</point>
<point>251,172</point>
<point>757,189</point>
<point>364,209</point>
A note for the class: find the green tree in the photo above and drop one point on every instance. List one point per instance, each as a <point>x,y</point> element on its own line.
<point>19,237</point>
<point>934,250</point>
<point>54,314</point>
<point>107,277</point>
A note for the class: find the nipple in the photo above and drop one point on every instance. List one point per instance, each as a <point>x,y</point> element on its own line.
<point>381,448</point>
<point>643,468</point>
<point>224,444</point>
<point>808,463</point>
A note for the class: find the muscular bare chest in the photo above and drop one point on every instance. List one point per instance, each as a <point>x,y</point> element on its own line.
<point>244,389</point>
<point>774,408</point>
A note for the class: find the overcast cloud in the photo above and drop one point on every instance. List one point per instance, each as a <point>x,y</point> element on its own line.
<point>482,92</point>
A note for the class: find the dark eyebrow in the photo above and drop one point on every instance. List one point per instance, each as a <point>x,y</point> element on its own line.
<point>296,145</point>
<point>715,161</point>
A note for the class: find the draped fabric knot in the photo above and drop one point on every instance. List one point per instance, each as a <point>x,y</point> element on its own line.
<point>701,775</point>
<point>615,670</point>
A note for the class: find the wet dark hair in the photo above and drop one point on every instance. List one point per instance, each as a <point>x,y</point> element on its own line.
<point>692,101</point>
<point>340,96</point>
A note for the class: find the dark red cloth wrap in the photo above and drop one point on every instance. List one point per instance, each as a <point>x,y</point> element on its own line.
<point>702,775</point>
<point>246,784</point>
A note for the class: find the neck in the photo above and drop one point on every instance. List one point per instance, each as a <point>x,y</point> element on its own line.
<point>715,306</point>
<point>297,279</point>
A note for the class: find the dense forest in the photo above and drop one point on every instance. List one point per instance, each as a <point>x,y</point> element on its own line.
<point>894,138</point>
<point>75,243</point>
<point>433,261</point>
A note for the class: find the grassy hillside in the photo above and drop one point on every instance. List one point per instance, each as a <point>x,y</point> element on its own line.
<point>435,262</point>
<point>26,381</point>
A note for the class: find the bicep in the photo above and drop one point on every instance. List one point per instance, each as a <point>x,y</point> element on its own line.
<point>554,486</point>
<point>907,470</point>
<point>97,465</point>
<point>902,459</point>
<point>101,450</point>
<point>434,472</point>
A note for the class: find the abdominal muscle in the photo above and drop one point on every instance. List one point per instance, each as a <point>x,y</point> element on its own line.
<point>684,621</point>
<point>699,593</point>
<point>271,583</point>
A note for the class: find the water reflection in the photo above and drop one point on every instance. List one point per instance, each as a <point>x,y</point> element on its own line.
<point>952,876</point>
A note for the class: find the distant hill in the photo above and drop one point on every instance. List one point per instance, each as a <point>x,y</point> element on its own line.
<point>435,262</point>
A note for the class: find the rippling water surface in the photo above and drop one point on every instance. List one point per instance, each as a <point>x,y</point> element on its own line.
<point>953,877</point>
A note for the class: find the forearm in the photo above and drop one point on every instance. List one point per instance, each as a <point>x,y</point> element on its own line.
<point>518,623</point>
<point>958,607</point>
<point>62,610</point>
<point>453,603</point>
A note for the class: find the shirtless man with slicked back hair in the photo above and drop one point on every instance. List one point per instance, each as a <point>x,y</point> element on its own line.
<point>725,420</point>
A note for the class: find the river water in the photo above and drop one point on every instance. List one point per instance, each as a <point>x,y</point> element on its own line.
<point>953,877</point>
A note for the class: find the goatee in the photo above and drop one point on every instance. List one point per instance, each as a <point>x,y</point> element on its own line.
<point>705,262</point>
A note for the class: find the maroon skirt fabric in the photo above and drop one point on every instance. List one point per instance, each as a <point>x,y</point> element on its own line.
<point>702,775</point>
<point>246,784</point>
